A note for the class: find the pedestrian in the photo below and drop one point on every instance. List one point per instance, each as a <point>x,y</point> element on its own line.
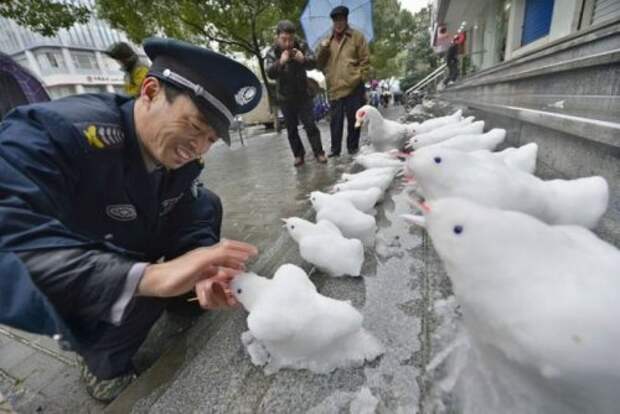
<point>101,216</point>
<point>287,62</point>
<point>343,57</point>
<point>452,61</point>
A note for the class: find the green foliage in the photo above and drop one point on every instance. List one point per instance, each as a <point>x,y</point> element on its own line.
<point>421,59</point>
<point>245,26</point>
<point>44,16</point>
<point>394,31</point>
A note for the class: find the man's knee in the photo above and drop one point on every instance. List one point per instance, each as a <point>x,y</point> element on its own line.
<point>212,203</point>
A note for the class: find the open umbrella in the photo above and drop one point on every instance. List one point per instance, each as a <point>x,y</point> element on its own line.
<point>18,86</point>
<point>317,24</point>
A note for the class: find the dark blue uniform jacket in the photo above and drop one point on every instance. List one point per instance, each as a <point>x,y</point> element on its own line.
<point>72,175</point>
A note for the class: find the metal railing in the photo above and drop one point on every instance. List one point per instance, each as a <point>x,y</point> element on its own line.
<point>434,75</point>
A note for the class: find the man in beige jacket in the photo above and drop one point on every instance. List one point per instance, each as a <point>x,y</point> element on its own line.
<point>343,58</point>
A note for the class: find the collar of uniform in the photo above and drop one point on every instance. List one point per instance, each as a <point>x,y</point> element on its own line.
<point>149,162</point>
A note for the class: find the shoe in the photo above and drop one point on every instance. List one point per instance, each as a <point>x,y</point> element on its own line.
<point>321,159</point>
<point>332,155</point>
<point>104,390</point>
<point>355,151</point>
<point>298,162</point>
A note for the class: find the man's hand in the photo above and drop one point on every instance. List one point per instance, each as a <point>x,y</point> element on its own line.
<point>180,275</point>
<point>215,293</point>
<point>325,43</point>
<point>298,56</point>
<point>284,57</point>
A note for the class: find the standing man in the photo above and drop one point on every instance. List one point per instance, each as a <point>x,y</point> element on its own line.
<point>101,216</point>
<point>287,62</point>
<point>452,60</point>
<point>343,57</point>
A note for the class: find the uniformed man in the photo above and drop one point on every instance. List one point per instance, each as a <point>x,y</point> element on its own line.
<point>101,216</point>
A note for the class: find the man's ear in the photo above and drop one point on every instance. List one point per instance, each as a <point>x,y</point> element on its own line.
<point>151,87</point>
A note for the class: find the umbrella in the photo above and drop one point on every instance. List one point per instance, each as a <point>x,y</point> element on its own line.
<point>317,24</point>
<point>18,85</point>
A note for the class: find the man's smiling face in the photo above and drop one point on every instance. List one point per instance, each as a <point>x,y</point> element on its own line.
<point>173,130</point>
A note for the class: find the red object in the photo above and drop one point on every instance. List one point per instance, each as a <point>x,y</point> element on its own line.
<point>459,39</point>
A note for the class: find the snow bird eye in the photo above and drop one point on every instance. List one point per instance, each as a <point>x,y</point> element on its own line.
<point>437,160</point>
<point>292,227</point>
<point>239,291</point>
<point>458,229</point>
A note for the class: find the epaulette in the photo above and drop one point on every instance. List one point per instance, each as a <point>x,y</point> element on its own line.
<point>101,136</point>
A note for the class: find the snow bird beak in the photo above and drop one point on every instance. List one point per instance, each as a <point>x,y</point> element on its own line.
<point>420,206</point>
<point>358,124</point>
<point>284,221</point>
<point>415,219</point>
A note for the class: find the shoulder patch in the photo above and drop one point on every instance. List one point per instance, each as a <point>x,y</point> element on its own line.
<point>101,136</point>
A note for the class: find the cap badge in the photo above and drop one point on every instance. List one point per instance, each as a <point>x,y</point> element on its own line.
<point>245,95</point>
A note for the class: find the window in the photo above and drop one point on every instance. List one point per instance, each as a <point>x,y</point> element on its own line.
<point>111,64</point>
<point>51,61</point>
<point>94,89</point>
<point>537,20</point>
<point>60,91</point>
<point>84,61</point>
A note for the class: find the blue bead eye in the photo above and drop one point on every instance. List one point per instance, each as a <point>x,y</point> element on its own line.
<point>458,229</point>
<point>437,160</point>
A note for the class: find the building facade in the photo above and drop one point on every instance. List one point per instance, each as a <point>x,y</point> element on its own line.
<point>72,61</point>
<point>500,30</point>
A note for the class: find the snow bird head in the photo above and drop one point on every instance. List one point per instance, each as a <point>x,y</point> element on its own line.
<point>362,115</point>
<point>318,199</point>
<point>297,227</point>
<point>246,288</point>
<point>439,167</point>
<point>469,237</point>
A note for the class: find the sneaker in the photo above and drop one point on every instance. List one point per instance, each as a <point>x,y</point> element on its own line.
<point>298,162</point>
<point>321,159</point>
<point>104,390</point>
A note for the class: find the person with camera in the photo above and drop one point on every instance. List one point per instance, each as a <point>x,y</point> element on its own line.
<point>287,62</point>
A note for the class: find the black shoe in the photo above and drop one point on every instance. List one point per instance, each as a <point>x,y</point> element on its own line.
<point>333,154</point>
<point>104,390</point>
<point>355,151</point>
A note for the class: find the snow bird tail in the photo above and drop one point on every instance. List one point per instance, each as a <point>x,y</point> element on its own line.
<point>415,219</point>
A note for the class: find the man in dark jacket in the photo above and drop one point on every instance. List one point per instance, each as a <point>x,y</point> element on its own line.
<point>287,62</point>
<point>101,216</point>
